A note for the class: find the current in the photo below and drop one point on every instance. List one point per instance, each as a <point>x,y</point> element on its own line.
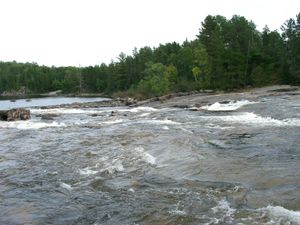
<point>226,163</point>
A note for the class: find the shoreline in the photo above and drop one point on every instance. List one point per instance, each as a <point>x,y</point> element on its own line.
<point>177,100</point>
<point>190,99</point>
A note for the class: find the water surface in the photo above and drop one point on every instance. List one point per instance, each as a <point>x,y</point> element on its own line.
<point>45,101</point>
<point>231,164</point>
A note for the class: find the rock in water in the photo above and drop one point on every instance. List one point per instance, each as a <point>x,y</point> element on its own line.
<point>15,114</point>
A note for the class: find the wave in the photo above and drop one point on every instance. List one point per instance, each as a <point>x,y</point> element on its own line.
<point>63,111</point>
<point>230,106</point>
<point>138,109</point>
<point>87,171</point>
<point>281,215</point>
<point>252,118</point>
<point>66,186</point>
<point>269,214</point>
<point>224,209</point>
<point>89,111</point>
<point>145,156</point>
<point>113,122</point>
<point>159,122</point>
<point>113,167</point>
<point>165,128</point>
<point>29,125</point>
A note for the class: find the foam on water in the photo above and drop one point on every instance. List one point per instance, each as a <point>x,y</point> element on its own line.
<point>138,109</point>
<point>231,106</point>
<point>113,121</point>
<point>87,171</point>
<point>144,114</point>
<point>114,166</point>
<point>177,212</point>
<point>66,186</point>
<point>280,214</point>
<point>224,207</point>
<point>252,118</point>
<point>159,122</point>
<point>224,210</point>
<point>63,111</point>
<point>29,125</point>
<point>165,128</point>
<point>145,156</point>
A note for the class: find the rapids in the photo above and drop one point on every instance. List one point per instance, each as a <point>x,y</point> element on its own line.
<point>227,163</point>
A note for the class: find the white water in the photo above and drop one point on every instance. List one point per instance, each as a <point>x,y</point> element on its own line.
<point>144,110</point>
<point>109,122</point>
<point>281,215</point>
<point>231,106</point>
<point>167,166</point>
<point>254,119</point>
<point>62,111</point>
<point>113,167</point>
<point>29,125</point>
<point>145,156</point>
<point>66,186</point>
<point>87,171</point>
<point>159,122</point>
<point>225,210</point>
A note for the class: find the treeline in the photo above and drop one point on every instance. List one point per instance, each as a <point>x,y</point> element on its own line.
<point>226,55</point>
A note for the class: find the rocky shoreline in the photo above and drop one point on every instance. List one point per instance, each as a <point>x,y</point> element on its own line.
<point>15,114</point>
<point>190,99</point>
<point>194,100</point>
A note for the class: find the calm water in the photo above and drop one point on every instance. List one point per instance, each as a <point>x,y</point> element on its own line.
<point>47,101</point>
<point>237,163</point>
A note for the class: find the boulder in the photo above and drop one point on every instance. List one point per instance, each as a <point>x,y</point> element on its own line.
<point>15,114</point>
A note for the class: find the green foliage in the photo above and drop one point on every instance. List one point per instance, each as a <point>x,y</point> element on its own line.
<point>227,54</point>
<point>155,82</point>
<point>291,35</point>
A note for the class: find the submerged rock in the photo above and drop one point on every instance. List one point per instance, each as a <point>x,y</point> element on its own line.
<point>15,114</point>
<point>48,116</point>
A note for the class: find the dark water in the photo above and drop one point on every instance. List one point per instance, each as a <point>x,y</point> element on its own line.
<point>46,101</point>
<point>148,166</point>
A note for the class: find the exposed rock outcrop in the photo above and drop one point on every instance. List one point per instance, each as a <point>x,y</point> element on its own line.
<point>15,114</point>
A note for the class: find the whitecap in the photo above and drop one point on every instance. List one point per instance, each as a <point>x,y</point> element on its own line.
<point>144,115</point>
<point>138,109</point>
<point>27,125</point>
<point>159,122</point>
<point>113,121</point>
<point>113,167</point>
<point>63,111</point>
<point>252,118</point>
<point>145,156</point>
<point>279,213</point>
<point>230,106</point>
<point>177,212</point>
<point>87,171</point>
<point>131,190</point>
<point>165,128</point>
<point>224,208</point>
<point>66,186</point>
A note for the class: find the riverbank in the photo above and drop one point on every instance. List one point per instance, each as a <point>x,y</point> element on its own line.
<point>201,99</point>
<point>191,99</point>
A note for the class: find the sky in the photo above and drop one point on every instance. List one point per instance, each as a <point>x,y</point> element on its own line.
<point>91,32</point>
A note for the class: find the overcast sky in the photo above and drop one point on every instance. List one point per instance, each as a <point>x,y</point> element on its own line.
<point>89,32</point>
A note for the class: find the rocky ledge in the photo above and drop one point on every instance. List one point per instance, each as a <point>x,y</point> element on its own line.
<point>15,114</point>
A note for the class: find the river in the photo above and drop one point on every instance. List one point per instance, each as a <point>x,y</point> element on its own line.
<point>231,163</point>
<point>44,101</point>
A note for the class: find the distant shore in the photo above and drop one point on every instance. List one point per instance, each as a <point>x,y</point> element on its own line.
<point>191,99</point>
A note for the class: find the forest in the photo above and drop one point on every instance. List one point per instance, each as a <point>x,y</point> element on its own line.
<point>227,54</point>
